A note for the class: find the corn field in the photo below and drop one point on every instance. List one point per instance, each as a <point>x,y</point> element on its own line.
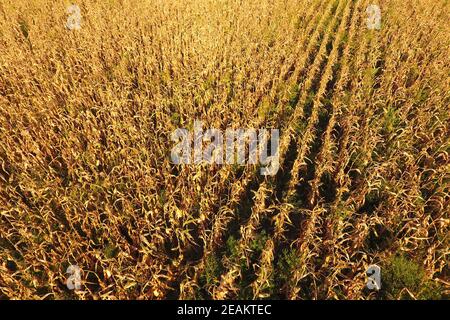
<point>86,177</point>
